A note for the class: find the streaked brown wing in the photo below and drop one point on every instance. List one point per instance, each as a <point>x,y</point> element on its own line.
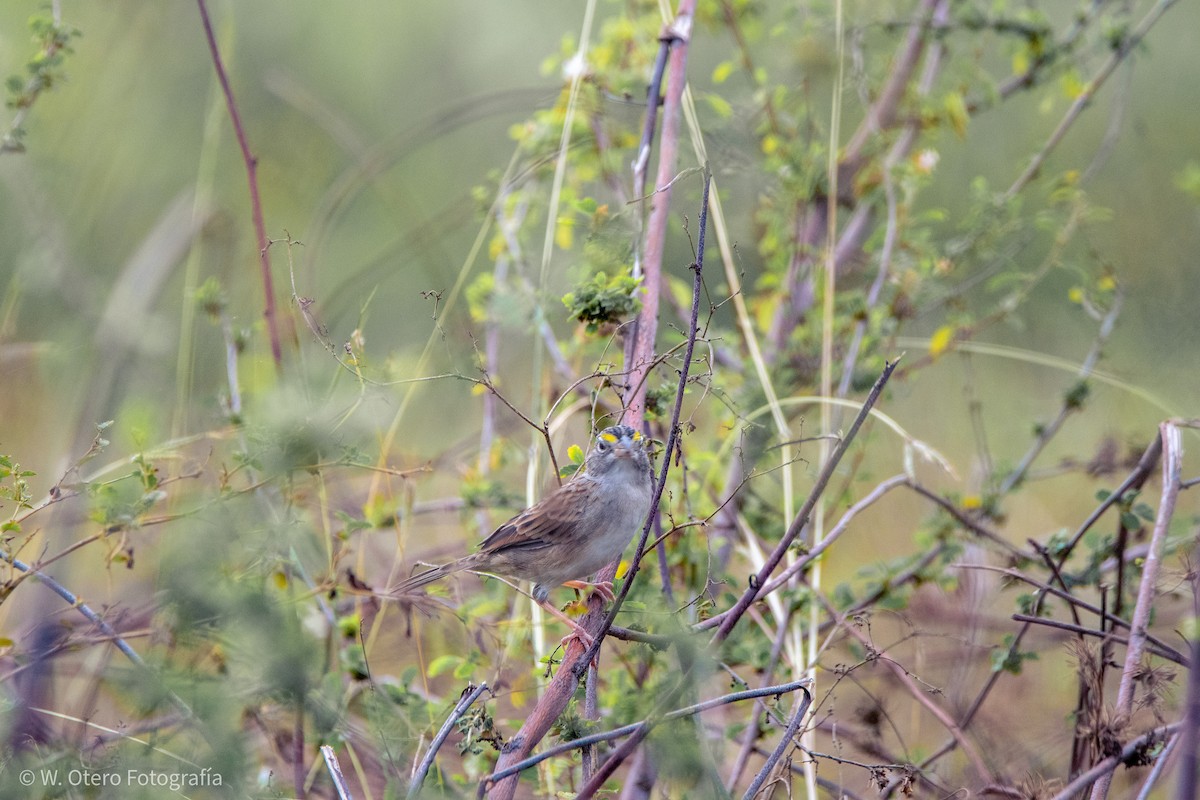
<point>549,522</point>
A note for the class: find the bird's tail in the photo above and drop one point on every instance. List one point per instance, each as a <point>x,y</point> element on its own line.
<point>429,576</point>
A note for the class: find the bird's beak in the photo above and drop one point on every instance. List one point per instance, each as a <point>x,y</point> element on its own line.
<point>625,448</point>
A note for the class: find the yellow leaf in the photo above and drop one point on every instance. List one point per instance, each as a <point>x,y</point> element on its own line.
<point>575,608</point>
<point>770,144</point>
<point>1075,294</point>
<point>521,691</point>
<point>496,247</point>
<point>575,453</point>
<point>622,568</point>
<point>279,579</point>
<point>564,233</point>
<point>941,340</point>
<point>1072,85</point>
<point>1020,62</point>
<point>722,72</point>
<point>956,112</point>
<point>972,502</point>
<point>1106,283</point>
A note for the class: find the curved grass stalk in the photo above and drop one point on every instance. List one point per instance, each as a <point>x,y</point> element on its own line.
<point>913,445</point>
<point>1045,360</point>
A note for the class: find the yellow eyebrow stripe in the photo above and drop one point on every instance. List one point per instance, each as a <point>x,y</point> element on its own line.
<point>608,437</point>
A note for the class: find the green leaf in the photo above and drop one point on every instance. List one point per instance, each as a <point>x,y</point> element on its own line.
<point>443,663</point>
<point>719,105</point>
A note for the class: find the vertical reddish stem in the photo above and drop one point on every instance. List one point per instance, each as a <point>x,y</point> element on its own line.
<point>260,230</point>
<point>639,351</point>
<point>639,357</point>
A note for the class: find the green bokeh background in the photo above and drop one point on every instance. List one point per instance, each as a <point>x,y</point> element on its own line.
<point>373,122</point>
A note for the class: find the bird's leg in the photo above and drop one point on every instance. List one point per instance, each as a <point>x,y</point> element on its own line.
<point>577,631</point>
<point>603,588</point>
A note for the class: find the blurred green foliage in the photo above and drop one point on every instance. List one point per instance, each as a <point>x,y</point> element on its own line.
<point>243,525</point>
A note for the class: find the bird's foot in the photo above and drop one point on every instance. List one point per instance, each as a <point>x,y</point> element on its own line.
<point>578,632</point>
<point>603,588</point>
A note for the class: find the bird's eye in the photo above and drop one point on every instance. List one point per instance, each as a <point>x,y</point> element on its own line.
<point>602,445</point>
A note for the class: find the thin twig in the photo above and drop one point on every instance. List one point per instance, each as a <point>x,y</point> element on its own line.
<point>87,611</point>
<point>1070,598</point>
<point>1069,404</point>
<point>785,742</point>
<point>1134,480</point>
<point>619,756</point>
<point>1120,53</point>
<point>335,772</point>
<point>1169,654</point>
<point>469,696</point>
<point>801,519</point>
<point>921,695</point>
<point>752,730</point>
<point>1160,764</point>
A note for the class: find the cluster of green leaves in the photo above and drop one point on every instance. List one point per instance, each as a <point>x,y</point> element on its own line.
<point>14,487</point>
<point>602,301</point>
<point>44,70</point>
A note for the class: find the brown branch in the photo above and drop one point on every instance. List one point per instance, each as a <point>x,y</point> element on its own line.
<point>1136,478</point>
<point>752,730</point>
<point>921,695</point>
<point>1067,596</point>
<point>251,164</point>
<point>883,112</point>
